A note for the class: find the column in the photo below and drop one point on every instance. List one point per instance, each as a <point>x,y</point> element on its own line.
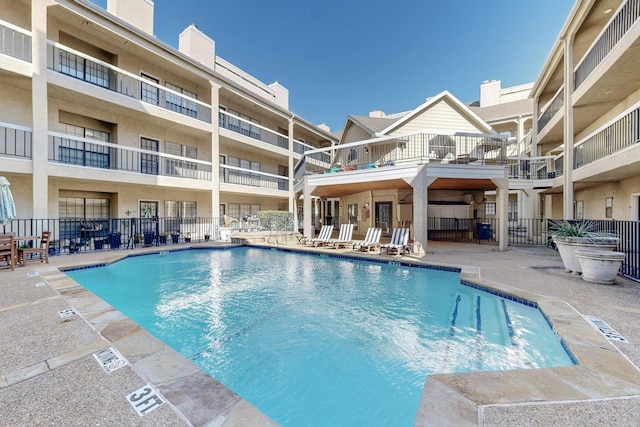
<point>40,110</point>
<point>502,211</point>
<point>567,206</point>
<point>215,150</point>
<point>292,202</point>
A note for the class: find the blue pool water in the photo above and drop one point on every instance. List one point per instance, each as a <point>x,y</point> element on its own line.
<point>319,341</point>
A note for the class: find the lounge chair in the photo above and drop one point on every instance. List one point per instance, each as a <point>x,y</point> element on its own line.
<point>344,238</point>
<point>399,242</point>
<point>40,253</point>
<point>371,240</point>
<point>8,250</point>
<point>323,237</point>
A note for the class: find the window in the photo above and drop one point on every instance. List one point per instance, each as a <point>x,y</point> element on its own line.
<point>81,152</point>
<point>513,211</point>
<point>608,207</point>
<point>83,218</point>
<point>490,208</point>
<point>149,163</point>
<point>177,167</point>
<point>149,93</point>
<point>83,69</point>
<point>579,210</point>
<point>236,210</point>
<point>181,104</point>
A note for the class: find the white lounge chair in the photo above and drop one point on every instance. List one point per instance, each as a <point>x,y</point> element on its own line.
<point>399,242</point>
<point>323,236</point>
<point>344,238</point>
<point>371,240</point>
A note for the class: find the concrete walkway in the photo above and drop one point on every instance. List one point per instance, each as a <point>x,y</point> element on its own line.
<point>49,376</point>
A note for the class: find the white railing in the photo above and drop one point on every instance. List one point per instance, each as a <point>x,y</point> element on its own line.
<point>76,64</point>
<point>417,147</point>
<point>14,41</point>
<point>252,178</point>
<point>15,141</point>
<point>76,151</point>
<point>252,130</point>
<point>529,168</point>
<point>552,108</point>
<point>618,26</point>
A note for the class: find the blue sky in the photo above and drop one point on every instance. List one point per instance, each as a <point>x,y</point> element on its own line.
<point>341,57</point>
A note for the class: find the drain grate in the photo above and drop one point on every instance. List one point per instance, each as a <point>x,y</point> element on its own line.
<point>67,313</point>
<point>605,329</point>
<point>41,284</point>
<point>110,359</point>
<point>144,400</point>
<point>32,274</point>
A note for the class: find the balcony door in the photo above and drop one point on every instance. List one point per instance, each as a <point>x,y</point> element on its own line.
<point>383,217</point>
<point>149,163</point>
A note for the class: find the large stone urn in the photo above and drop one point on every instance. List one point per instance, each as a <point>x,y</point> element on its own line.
<point>568,245</point>
<point>600,266</point>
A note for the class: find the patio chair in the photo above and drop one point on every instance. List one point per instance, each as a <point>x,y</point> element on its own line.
<point>40,253</point>
<point>344,238</point>
<point>8,250</point>
<point>371,240</point>
<point>399,244</point>
<point>323,236</point>
<point>228,221</point>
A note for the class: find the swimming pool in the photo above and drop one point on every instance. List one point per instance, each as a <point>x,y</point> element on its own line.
<point>321,341</point>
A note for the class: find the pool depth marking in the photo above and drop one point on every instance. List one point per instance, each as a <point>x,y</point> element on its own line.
<point>110,359</point>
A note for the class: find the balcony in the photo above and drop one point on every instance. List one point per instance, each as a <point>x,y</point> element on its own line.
<point>619,25</point>
<point>252,178</point>
<point>461,148</point>
<point>622,133</point>
<point>71,150</point>
<point>75,64</point>
<point>533,168</point>
<point>14,41</point>
<point>252,130</point>
<point>15,141</point>
<point>553,107</point>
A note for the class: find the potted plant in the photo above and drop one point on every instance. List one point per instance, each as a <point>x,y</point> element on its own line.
<point>175,236</point>
<point>187,237</point>
<point>600,266</point>
<point>98,243</point>
<point>572,236</point>
<point>162,238</point>
<point>207,236</point>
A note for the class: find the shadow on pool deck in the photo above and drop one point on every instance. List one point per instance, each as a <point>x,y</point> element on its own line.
<point>49,376</point>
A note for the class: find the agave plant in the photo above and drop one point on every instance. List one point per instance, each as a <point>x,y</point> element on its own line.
<point>585,229</point>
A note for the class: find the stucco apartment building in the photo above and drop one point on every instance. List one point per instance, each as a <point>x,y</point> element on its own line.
<point>586,98</point>
<point>99,119</point>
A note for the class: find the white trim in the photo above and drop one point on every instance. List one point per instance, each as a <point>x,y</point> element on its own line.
<point>432,101</point>
<point>128,148</point>
<point>126,73</point>
<point>15,28</point>
<point>17,127</point>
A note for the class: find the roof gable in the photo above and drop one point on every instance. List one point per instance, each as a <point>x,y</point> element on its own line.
<point>463,112</point>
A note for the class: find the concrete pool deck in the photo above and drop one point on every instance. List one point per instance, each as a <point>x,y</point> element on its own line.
<point>48,374</point>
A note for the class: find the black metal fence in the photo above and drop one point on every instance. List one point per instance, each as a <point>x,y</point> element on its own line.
<point>73,235</point>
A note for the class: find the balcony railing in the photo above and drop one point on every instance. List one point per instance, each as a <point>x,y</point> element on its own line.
<point>620,134</point>
<point>14,41</point>
<point>413,148</point>
<point>554,106</point>
<point>532,168</point>
<point>15,141</point>
<point>73,63</point>
<point>619,25</point>
<point>252,178</point>
<point>252,130</point>
<point>85,152</point>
